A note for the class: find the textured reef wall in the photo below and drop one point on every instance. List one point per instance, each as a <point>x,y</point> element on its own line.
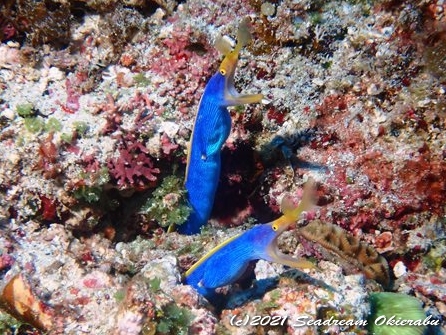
<point>97,105</point>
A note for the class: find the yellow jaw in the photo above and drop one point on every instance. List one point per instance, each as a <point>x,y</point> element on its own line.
<point>229,64</point>
<point>290,215</point>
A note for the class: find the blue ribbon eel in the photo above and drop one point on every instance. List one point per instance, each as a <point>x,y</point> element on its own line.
<point>227,262</point>
<point>211,129</point>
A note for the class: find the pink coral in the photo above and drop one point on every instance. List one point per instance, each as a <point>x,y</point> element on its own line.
<point>185,61</point>
<point>134,167</point>
<point>72,104</point>
<point>167,144</point>
<point>180,55</point>
<point>113,115</point>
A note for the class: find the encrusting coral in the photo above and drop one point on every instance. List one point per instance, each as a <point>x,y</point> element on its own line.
<point>351,249</point>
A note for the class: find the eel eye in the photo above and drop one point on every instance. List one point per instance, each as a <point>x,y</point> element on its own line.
<point>223,72</point>
<point>274,227</point>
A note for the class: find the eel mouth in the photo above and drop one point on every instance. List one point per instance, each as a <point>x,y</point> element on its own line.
<point>229,64</point>
<point>276,256</point>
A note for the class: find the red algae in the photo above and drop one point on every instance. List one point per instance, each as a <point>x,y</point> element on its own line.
<point>48,155</point>
<point>275,115</point>
<point>379,169</point>
<point>48,208</point>
<point>427,179</point>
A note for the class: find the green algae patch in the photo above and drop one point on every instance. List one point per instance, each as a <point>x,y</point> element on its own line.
<point>390,310</point>
<point>168,204</point>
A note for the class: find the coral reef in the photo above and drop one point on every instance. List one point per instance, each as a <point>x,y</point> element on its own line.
<point>97,104</point>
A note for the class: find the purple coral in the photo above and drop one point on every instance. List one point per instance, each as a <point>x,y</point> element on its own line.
<point>133,167</point>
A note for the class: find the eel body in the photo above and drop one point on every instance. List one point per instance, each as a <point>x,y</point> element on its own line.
<point>211,129</point>
<point>227,262</point>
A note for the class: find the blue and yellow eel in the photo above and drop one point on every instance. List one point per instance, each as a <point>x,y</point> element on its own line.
<point>211,129</point>
<point>227,262</point>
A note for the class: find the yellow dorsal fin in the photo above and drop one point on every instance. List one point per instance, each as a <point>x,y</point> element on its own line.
<point>210,253</point>
<point>243,34</point>
<point>223,45</point>
<point>290,211</point>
